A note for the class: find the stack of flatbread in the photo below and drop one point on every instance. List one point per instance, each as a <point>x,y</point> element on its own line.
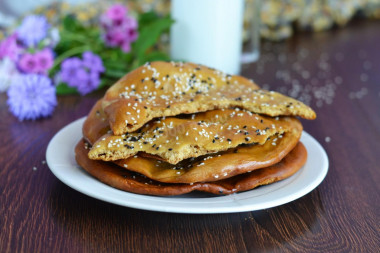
<point>170,128</point>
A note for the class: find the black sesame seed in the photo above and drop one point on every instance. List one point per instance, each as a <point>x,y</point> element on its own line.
<point>170,149</point>
<point>145,107</point>
<point>246,139</point>
<point>191,100</point>
<point>246,133</point>
<point>229,140</point>
<point>157,148</point>
<point>213,140</point>
<point>168,106</point>
<point>153,145</point>
<point>145,142</point>
<point>244,126</point>
<point>142,80</point>
<point>133,138</point>
<point>261,121</point>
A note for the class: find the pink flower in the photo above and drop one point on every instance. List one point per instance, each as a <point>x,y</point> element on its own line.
<point>28,63</point>
<point>116,13</point>
<point>38,63</point>
<point>45,60</point>
<point>120,30</point>
<point>9,48</point>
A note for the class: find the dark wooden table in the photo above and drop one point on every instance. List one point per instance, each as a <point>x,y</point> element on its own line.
<point>336,72</point>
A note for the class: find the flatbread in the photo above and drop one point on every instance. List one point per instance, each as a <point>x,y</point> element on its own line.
<point>120,178</point>
<point>160,89</point>
<point>175,139</point>
<point>96,124</point>
<point>214,167</point>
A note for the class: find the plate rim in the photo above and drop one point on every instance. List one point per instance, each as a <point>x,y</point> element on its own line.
<point>144,202</point>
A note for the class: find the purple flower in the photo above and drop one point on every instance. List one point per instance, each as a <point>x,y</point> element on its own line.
<point>115,37</point>
<point>31,96</point>
<point>9,48</point>
<point>88,82</point>
<point>28,63</point>
<point>82,74</point>
<point>69,69</point>
<point>116,13</point>
<point>32,30</point>
<point>93,62</point>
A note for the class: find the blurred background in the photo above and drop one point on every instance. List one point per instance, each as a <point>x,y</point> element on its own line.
<point>280,19</point>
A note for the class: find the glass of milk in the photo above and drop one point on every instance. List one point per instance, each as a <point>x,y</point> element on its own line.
<point>208,32</point>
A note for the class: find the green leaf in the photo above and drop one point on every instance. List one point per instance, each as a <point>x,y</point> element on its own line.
<point>147,18</point>
<point>149,35</point>
<point>70,23</point>
<point>115,73</point>
<point>63,89</point>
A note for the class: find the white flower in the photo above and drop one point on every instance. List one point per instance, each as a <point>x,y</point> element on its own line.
<point>8,73</point>
<point>54,36</point>
<point>52,39</point>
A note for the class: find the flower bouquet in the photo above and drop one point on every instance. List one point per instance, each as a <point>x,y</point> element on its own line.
<point>39,62</point>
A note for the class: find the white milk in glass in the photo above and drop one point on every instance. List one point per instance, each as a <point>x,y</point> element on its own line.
<point>208,32</point>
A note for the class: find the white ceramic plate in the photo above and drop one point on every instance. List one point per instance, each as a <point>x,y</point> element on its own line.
<point>61,161</point>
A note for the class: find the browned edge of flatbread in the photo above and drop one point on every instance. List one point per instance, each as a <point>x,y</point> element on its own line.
<point>125,180</point>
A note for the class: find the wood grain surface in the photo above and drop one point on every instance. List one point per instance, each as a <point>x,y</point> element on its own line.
<point>336,72</point>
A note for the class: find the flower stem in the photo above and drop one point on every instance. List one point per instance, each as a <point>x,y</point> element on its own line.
<point>69,53</point>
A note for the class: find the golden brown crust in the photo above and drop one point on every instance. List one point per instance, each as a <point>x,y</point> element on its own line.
<point>175,139</point>
<point>162,89</point>
<point>96,124</point>
<point>123,179</point>
<point>214,167</point>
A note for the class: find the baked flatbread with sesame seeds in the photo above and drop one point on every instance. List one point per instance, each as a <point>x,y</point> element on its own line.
<point>217,166</point>
<point>177,138</point>
<point>123,179</point>
<point>160,89</point>
<point>96,124</point>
